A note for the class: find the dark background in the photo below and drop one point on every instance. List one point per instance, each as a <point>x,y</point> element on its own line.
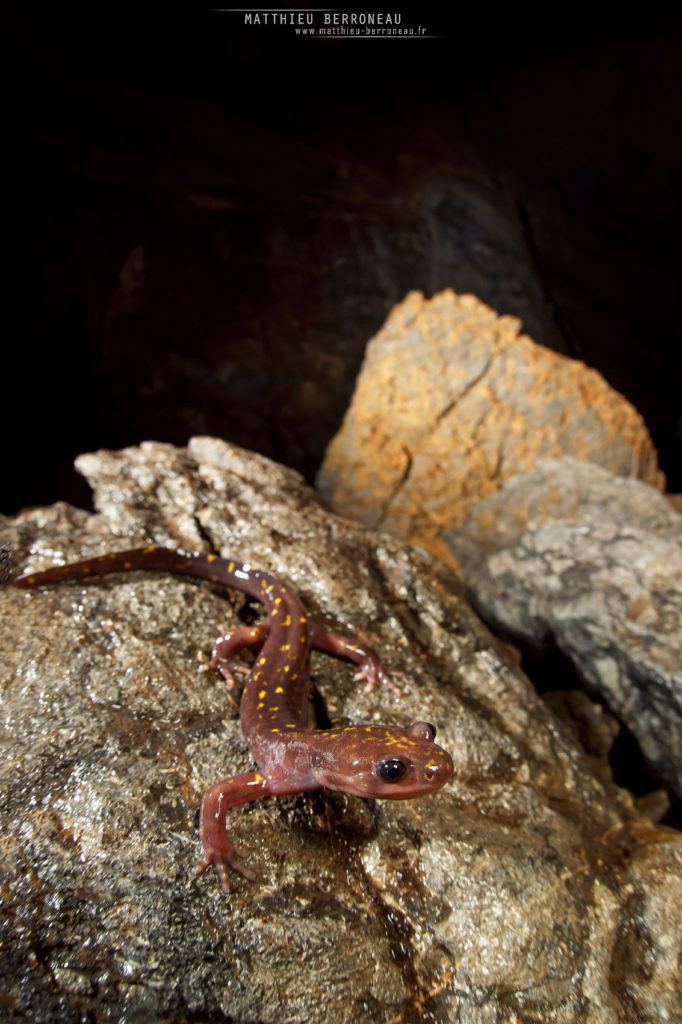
<point>206,223</point>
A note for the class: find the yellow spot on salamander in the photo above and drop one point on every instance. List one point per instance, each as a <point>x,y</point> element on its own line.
<point>230,566</point>
<point>261,694</point>
<point>279,689</point>
<point>287,668</point>
<point>303,620</point>
<point>285,647</point>
<point>290,726</point>
<point>287,621</point>
<point>148,551</point>
<point>259,706</point>
<point>211,558</point>
<point>261,661</point>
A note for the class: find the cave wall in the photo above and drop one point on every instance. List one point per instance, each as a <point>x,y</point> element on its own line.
<point>207,224</point>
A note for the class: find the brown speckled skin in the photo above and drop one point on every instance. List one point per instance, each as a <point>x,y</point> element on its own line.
<point>274,707</point>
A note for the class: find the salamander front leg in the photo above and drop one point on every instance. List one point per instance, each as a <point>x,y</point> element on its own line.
<point>225,648</point>
<point>372,669</point>
<point>218,850</point>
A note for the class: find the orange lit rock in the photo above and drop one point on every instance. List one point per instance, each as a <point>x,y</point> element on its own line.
<point>450,402</point>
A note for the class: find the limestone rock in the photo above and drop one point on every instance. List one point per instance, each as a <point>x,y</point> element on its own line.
<point>572,558</point>
<point>527,888</point>
<point>451,401</point>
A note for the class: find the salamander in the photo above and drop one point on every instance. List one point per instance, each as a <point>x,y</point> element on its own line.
<point>367,760</point>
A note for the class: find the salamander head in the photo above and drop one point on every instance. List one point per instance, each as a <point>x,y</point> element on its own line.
<point>380,761</point>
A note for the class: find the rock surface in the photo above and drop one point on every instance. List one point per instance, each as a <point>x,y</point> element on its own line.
<point>569,557</point>
<point>451,401</point>
<point>526,889</point>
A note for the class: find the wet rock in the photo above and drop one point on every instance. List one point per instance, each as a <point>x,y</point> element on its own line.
<point>527,887</point>
<point>571,558</point>
<point>450,403</point>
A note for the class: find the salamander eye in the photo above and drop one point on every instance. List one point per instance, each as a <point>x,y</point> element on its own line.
<point>392,769</point>
<point>422,731</point>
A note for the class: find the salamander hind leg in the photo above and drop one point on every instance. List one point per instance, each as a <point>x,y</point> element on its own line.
<point>371,667</point>
<point>218,848</point>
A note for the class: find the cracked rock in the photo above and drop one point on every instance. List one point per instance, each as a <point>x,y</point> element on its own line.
<point>450,402</point>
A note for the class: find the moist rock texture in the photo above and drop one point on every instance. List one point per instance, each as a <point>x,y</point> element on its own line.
<point>527,889</point>
<point>451,401</point>
<point>571,558</point>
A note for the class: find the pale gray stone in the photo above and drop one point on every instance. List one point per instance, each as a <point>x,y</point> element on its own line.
<point>570,557</point>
